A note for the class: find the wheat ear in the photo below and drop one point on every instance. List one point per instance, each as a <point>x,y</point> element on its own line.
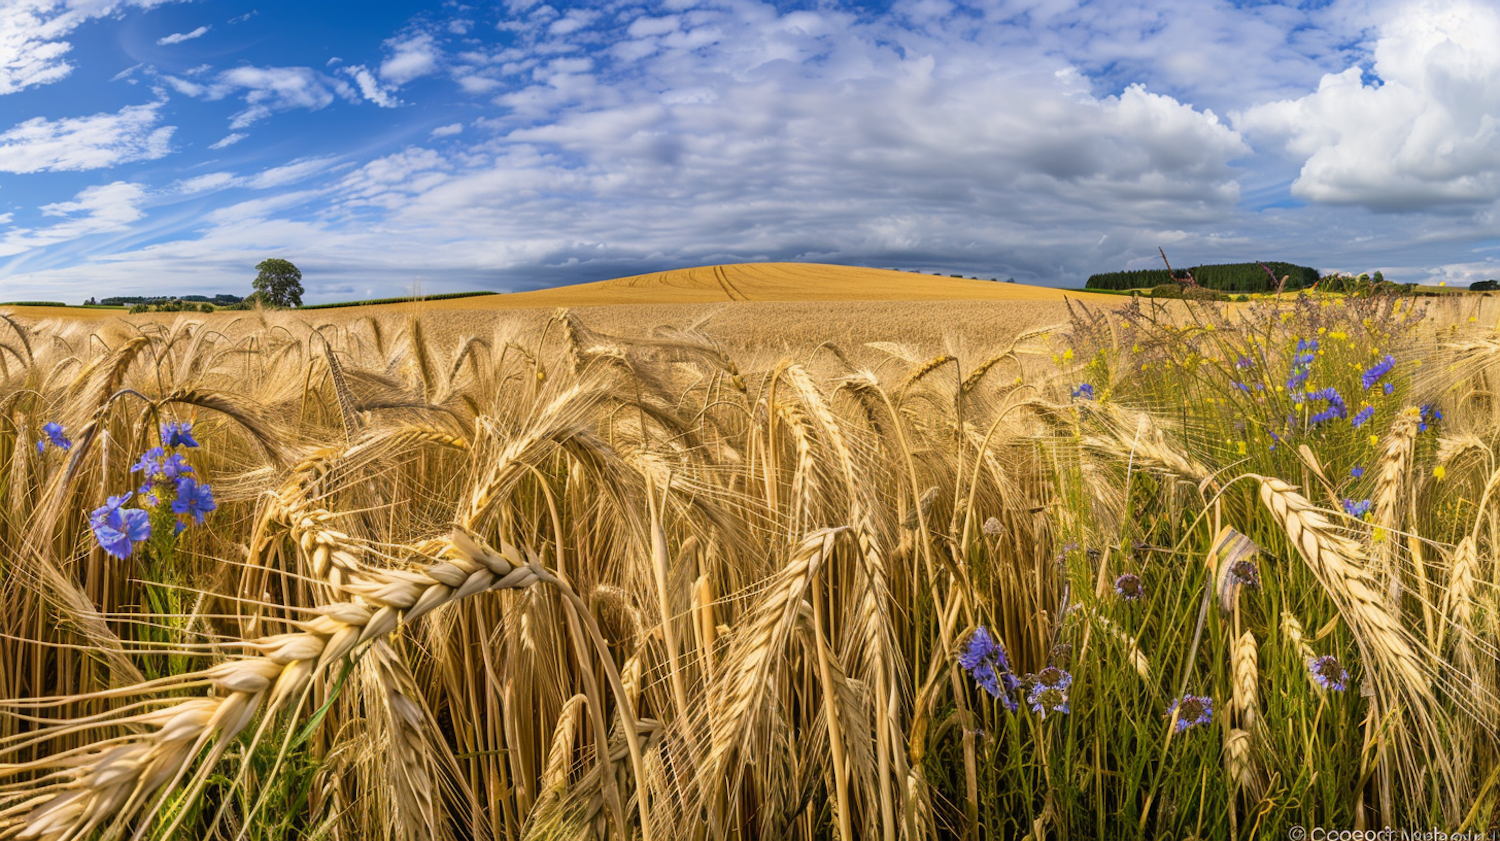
<point>1246,657</point>
<point>1458,602</point>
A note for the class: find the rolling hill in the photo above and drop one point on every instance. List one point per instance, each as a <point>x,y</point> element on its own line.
<point>794,282</point>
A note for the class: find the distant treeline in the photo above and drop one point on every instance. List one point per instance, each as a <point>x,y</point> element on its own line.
<point>443,296</point>
<point>221,300</point>
<point>1227,277</point>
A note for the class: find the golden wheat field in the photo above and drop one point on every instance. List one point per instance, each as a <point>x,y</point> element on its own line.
<point>751,568</point>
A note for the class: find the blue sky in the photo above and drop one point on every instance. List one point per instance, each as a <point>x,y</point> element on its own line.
<point>152,146</point>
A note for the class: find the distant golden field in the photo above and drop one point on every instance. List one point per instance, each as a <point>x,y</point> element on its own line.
<point>751,569</point>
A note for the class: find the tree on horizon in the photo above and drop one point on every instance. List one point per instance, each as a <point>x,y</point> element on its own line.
<point>279,283</point>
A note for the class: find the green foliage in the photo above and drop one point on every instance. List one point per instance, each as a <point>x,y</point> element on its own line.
<point>220,299</point>
<point>1484,286</point>
<point>32,304</point>
<point>1228,277</point>
<point>173,305</point>
<point>279,283</point>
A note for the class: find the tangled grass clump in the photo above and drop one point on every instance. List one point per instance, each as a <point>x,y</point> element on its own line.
<point>1206,571</point>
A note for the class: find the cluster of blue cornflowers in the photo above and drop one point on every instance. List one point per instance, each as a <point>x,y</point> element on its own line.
<point>1084,391</point>
<point>1375,373</point>
<point>985,660</point>
<point>1430,414</point>
<point>1047,691</point>
<point>168,490</point>
<point>1357,508</point>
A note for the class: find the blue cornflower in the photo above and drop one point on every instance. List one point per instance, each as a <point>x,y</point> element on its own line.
<point>178,434</point>
<point>1362,416</point>
<point>1049,691</point>
<point>173,467</point>
<point>1128,586</point>
<point>1243,362</point>
<point>1357,509</point>
<point>1329,674</point>
<point>1335,409</point>
<point>986,662</point>
<point>980,647</point>
<point>1389,387</point>
<point>1306,344</point>
<point>1241,387</point>
<point>1374,374</point>
<point>55,437</point>
<point>119,529</point>
<point>1192,710</point>
<point>1295,382</point>
<point>1356,471</point>
<point>150,463</point>
<point>1048,699</point>
<point>1084,390</point>
<point>193,498</point>
<point>1054,677</point>
<point>103,512</point>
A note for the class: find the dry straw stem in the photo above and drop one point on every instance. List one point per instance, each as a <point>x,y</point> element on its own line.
<point>1296,637</point>
<point>1402,676</point>
<point>1132,648</point>
<point>104,786</point>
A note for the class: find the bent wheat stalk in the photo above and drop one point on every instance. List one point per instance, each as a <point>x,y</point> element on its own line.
<point>1401,677</point>
<point>107,785</point>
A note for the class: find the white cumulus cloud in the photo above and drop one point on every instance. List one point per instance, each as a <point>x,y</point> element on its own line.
<point>81,143</point>
<point>411,57</point>
<point>1425,132</point>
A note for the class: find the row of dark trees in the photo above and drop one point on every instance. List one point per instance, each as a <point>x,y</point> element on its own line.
<point>1225,277</point>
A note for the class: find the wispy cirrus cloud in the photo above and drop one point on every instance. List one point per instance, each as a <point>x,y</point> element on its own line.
<point>33,37</point>
<point>101,209</point>
<point>266,90</point>
<point>179,37</point>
